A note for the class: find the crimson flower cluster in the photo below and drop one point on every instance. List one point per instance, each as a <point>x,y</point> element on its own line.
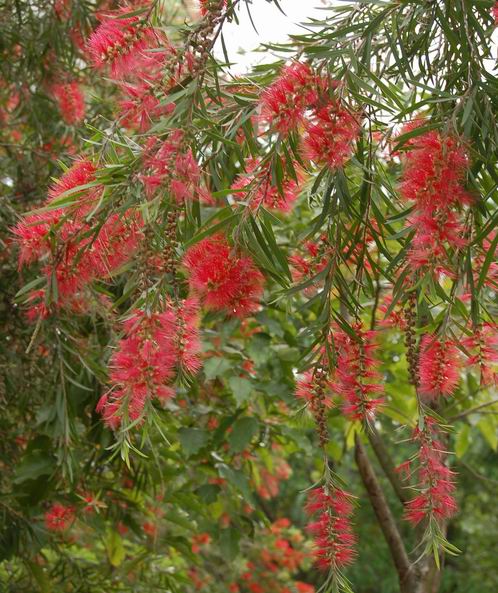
<point>169,164</point>
<point>434,169</point>
<point>222,278</point>
<point>482,347</point>
<point>59,517</point>
<point>439,366</point>
<point>70,101</point>
<point>121,42</point>
<point>312,259</point>
<point>257,188</point>
<point>300,97</point>
<point>155,346</point>
<point>332,529</point>
<point>435,501</point>
<point>80,256</point>
<point>357,375</point>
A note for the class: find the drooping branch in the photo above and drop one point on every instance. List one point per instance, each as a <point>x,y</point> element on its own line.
<point>384,516</point>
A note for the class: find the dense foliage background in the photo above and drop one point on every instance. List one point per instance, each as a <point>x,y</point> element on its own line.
<point>206,489</point>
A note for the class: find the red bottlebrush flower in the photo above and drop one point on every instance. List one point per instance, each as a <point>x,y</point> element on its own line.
<point>70,100</point>
<point>435,230</point>
<point>211,6</point>
<point>80,258</point>
<point>439,364</point>
<point>357,373</point>
<point>306,267</point>
<point>141,107</point>
<point>141,368</point>
<point>121,42</point>
<point>145,361</point>
<point>330,134</point>
<point>31,233</point>
<point>59,517</point>
<point>436,485</point>
<point>394,318</point>
<point>261,192</point>
<point>226,281</point>
<point>81,173</point>
<point>172,166</point>
<point>284,102</point>
<point>332,530</point>
<point>494,12</point>
<point>434,170</point>
<point>483,351</point>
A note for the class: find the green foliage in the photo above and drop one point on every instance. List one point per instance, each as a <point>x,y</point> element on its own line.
<point>206,461</point>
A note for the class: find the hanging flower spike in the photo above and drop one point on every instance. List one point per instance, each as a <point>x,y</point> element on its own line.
<point>357,376</point>
<point>284,102</point>
<point>332,530</point>
<point>81,173</point>
<point>435,501</point>
<point>121,43</point>
<point>141,107</point>
<point>439,366</point>
<point>224,280</point>
<point>494,12</point>
<point>59,517</point>
<point>330,135</point>
<point>171,165</point>
<point>261,192</point>
<point>434,170</point>
<point>483,349</point>
<point>71,101</point>
<point>141,368</point>
<point>31,232</point>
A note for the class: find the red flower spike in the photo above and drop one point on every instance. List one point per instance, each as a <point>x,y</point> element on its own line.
<point>261,192</point>
<point>434,170</point>
<point>122,43</point>
<point>141,368</point>
<point>332,529</point>
<point>70,100</point>
<point>224,280</point>
<point>59,517</point>
<point>483,349</point>
<point>357,376</point>
<point>172,166</point>
<point>141,107</point>
<point>330,135</point>
<point>435,501</point>
<point>439,365</point>
<point>284,102</point>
